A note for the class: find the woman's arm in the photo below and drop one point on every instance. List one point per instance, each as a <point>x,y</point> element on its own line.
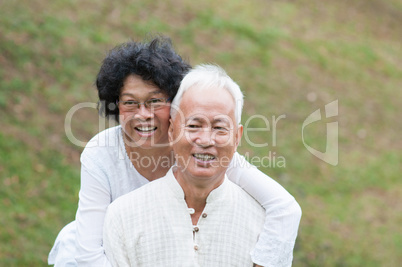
<point>283,213</point>
<point>94,198</point>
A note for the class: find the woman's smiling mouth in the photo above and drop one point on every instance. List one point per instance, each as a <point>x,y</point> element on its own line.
<point>145,131</point>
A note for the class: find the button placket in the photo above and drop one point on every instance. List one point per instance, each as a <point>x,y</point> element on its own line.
<point>196,231</point>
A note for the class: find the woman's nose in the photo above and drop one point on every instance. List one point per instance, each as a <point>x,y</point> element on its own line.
<point>143,113</point>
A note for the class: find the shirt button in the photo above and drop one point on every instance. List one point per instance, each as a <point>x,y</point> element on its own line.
<point>196,247</point>
<point>196,229</point>
<point>204,215</point>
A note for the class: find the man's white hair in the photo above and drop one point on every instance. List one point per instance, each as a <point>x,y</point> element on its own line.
<point>207,76</point>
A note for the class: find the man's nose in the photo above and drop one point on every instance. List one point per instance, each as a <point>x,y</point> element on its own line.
<point>205,138</point>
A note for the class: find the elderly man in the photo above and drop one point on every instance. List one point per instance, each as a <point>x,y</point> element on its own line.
<point>194,216</point>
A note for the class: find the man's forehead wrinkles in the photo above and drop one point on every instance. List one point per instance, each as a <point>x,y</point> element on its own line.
<point>195,118</point>
<point>215,119</point>
<point>222,118</point>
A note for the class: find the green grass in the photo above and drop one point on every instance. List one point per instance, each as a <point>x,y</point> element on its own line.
<point>31,184</point>
<point>289,57</point>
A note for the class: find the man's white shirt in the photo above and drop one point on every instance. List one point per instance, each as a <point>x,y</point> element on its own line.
<point>152,226</point>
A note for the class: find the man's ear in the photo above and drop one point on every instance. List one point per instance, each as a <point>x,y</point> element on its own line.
<point>170,131</point>
<point>238,135</point>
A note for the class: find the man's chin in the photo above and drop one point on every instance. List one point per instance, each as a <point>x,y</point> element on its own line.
<point>205,173</point>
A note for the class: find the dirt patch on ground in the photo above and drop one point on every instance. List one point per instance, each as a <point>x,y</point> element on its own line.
<point>379,207</point>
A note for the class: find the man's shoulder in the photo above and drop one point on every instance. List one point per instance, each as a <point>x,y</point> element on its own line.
<point>143,195</point>
<point>151,188</point>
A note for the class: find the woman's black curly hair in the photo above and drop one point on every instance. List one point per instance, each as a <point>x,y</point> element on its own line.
<point>154,61</point>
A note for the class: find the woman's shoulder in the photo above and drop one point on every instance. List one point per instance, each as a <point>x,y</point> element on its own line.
<point>106,142</point>
<point>107,137</point>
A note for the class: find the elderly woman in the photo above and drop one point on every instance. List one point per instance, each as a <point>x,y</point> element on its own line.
<point>136,84</point>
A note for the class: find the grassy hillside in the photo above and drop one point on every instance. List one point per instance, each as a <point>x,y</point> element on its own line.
<point>289,57</point>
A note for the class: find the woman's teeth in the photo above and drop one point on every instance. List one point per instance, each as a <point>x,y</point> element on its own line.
<point>204,157</point>
<point>145,129</point>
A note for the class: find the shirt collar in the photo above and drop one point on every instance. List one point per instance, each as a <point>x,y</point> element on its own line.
<point>173,184</point>
<point>178,192</point>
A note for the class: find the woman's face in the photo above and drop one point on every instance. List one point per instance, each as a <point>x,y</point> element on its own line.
<point>144,127</point>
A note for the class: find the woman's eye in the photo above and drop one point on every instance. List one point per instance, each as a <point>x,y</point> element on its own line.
<point>155,100</point>
<point>130,102</point>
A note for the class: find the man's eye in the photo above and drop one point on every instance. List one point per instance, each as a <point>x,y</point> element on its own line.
<point>221,129</point>
<point>193,126</point>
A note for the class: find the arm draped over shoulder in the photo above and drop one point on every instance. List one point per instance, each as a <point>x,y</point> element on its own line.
<point>283,213</point>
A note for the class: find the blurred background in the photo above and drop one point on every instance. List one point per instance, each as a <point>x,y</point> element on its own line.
<point>290,58</point>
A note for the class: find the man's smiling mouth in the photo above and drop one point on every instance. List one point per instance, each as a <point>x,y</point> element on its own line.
<point>203,157</point>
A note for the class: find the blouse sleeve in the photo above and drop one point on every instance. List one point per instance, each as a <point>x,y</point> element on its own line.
<point>276,242</point>
<point>94,198</point>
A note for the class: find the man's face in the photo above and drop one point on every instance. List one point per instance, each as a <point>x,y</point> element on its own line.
<point>205,134</point>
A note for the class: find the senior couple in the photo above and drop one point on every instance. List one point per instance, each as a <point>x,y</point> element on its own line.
<point>206,207</point>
